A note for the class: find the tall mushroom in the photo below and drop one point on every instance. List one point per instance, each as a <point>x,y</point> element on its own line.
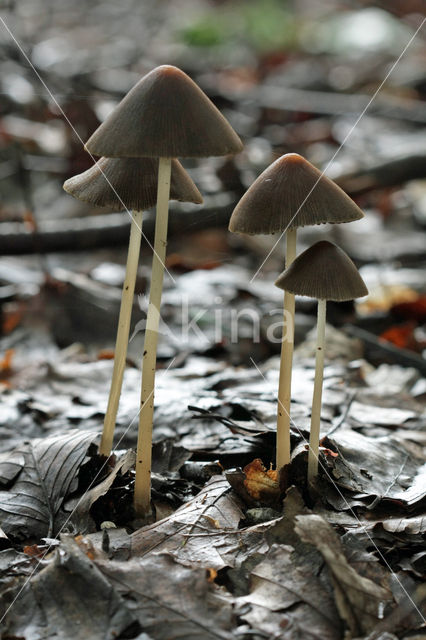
<point>165,115</point>
<point>290,193</point>
<point>126,183</point>
<point>324,272</point>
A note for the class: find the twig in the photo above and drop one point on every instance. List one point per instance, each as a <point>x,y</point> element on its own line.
<point>109,230</point>
<point>386,351</point>
<point>385,174</point>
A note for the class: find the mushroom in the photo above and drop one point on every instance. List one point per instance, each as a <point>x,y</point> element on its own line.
<point>129,183</point>
<point>290,193</point>
<point>165,115</point>
<point>324,272</point>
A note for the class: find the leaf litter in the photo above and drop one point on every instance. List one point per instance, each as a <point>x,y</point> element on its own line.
<point>269,576</point>
<point>219,561</point>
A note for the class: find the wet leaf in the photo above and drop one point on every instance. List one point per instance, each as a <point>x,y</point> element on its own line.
<point>170,601</point>
<point>288,599</point>
<point>70,598</point>
<point>32,507</point>
<point>359,600</point>
<point>10,465</point>
<point>369,414</point>
<point>378,467</point>
<point>80,506</point>
<point>203,532</point>
<point>13,565</point>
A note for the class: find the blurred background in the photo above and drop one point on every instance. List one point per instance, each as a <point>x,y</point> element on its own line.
<point>290,76</point>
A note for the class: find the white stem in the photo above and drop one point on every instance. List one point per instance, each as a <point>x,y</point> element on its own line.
<point>122,339</point>
<point>286,363</point>
<point>142,498</point>
<point>317,397</point>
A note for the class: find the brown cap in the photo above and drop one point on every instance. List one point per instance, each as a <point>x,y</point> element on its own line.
<point>324,272</point>
<point>165,115</point>
<point>291,193</point>
<point>132,182</point>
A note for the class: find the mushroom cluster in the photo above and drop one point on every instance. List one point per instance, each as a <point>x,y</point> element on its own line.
<point>290,193</point>
<point>164,116</point>
<point>323,272</point>
<point>129,183</point>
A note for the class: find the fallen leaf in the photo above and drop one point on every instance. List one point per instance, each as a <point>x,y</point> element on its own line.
<point>13,566</point>
<point>288,599</point>
<point>12,318</point>
<point>32,507</point>
<point>412,310</point>
<point>261,484</point>
<point>6,363</point>
<point>398,524</point>
<point>196,539</point>
<point>359,600</point>
<point>34,551</point>
<point>402,336</point>
<point>106,354</point>
<point>378,467</point>
<point>80,506</point>
<point>365,413</point>
<point>70,598</point>
<point>171,601</point>
<point>11,464</point>
<point>211,575</point>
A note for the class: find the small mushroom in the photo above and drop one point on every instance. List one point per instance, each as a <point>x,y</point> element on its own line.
<point>165,115</point>
<point>129,183</point>
<point>290,193</point>
<point>324,272</point>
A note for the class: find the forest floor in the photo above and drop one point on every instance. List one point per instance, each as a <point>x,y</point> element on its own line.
<point>228,554</point>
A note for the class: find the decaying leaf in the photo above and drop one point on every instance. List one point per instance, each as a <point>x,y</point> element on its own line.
<point>80,506</point>
<point>359,600</point>
<point>202,532</point>
<point>377,467</point>
<point>282,530</point>
<point>31,508</point>
<point>10,465</point>
<point>368,414</point>
<point>170,601</point>
<point>261,484</point>
<point>410,613</point>
<point>288,599</point>
<point>70,598</point>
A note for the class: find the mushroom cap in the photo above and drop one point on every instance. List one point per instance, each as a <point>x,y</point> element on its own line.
<point>165,115</point>
<point>291,193</point>
<point>324,271</point>
<point>130,183</point>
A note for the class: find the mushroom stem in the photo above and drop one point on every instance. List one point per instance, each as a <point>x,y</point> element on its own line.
<point>142,497</point>
<point>122,339</point>
<point>317,396</point>
<point>284,385</point>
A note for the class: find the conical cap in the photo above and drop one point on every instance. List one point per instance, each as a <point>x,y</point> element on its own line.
<point>324,272</point>
<point>130,183</point>
<point>291,193</point>
<point>165,115</point>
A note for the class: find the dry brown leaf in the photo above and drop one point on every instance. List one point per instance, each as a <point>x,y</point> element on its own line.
<point>262,485</point>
